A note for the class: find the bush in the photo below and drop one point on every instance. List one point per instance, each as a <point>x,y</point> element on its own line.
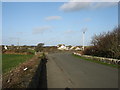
<point>39,47</point>
<point>105,45</point>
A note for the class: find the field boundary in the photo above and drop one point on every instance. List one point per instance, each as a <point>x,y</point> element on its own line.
<point>21,76</point>
<point>39,79</point>
<point>101,60</point>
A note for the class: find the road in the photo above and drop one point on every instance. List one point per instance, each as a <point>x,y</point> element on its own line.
<point>67,71</point>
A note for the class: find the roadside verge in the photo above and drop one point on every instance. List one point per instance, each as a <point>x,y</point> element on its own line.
<point>105,61</point>
<point>21,76</point>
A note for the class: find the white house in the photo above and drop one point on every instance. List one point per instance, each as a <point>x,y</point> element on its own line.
<point>72,47</point>
<point>5,47</point>
<point>63,47</point>
<point>78,48</point>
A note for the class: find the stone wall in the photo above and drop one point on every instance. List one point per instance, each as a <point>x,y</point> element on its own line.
<point>102,59</point>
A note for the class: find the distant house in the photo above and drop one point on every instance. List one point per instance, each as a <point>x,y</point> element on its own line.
<point>5,47</point>
<point>72,47</point>
<point>67,48</point>
<point>62,47</point>
<point>78,48</point>
<point>32,48</point>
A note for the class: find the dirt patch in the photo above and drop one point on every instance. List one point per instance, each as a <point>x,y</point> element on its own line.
<point>21,76</point>
<point>13,52</point>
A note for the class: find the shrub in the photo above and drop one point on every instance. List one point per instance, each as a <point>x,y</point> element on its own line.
<point>105,45</point>
<point>39,47</point>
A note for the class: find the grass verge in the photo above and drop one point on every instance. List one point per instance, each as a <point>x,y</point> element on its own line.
<point>10,61</point>
<point>95,61</point>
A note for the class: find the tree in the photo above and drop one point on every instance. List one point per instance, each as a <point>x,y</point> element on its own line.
<point>39,47</point>
<point>106,44</point>
<point>23,48</point>
<point>69,46</point>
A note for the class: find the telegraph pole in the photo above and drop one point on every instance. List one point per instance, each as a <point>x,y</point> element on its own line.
<point>18,41</point>
<point>83,40</point>
<point>84,30</point>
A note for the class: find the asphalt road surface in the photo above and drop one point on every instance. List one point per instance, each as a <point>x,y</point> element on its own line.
<point>67,71</point>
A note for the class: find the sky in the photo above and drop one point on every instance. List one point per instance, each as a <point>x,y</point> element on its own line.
<point>53,23</point>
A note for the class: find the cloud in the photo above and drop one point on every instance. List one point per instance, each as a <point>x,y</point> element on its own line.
<point>40,30</point>
<point>53,18</point>
<point>74,5</point>
<point>59,0</point>
<point>69,31</point>
<point>84,29</point>
<point>102,4</point>
<point>19,33</point>
<point>94,0</point>
<point>87,19</point>
<point>13,38</point>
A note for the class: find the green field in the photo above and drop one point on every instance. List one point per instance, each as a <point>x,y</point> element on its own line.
<point>10,61</point>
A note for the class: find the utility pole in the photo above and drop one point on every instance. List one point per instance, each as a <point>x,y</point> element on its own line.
<point>84,30</point>
<point>18,41</point>
<point>83,39</point>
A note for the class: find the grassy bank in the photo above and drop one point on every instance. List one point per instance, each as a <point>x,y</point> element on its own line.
<point>95,61</point>
<point>10,61</point>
